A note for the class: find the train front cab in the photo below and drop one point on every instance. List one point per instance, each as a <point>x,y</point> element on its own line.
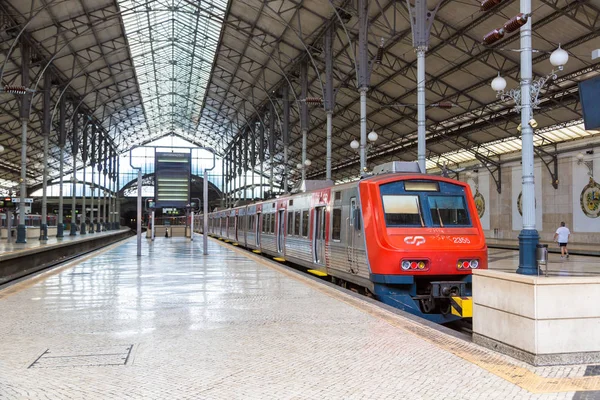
<point>424,238</point>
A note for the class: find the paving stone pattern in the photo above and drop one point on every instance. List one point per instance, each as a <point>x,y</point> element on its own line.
<point>217,327</point>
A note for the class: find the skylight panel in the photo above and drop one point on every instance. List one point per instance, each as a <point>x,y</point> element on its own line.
<point>173,45</point>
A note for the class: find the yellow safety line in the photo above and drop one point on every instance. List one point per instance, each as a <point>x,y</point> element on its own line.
<point>27,283</point>
<point>492,362</point>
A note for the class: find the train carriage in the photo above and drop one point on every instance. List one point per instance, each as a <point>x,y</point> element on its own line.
<point>409,239</point>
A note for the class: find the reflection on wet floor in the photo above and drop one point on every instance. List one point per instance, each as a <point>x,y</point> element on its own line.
<point>508,260</point>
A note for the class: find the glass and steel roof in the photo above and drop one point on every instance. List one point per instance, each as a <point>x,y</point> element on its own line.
<point>173,45</point>
<point>512,145</point>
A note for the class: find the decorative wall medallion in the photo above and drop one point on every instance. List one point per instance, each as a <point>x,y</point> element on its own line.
<point>479,203</point>
<point>520,203</point>
<point>590,199</point>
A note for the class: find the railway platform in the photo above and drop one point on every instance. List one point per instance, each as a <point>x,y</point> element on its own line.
<point>575,248</point>
<point>177,324</point>
<point>21,259</point>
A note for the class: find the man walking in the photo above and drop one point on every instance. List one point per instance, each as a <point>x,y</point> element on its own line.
<point>562,237</point>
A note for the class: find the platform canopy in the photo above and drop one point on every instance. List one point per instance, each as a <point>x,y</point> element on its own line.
<point>209,70</point>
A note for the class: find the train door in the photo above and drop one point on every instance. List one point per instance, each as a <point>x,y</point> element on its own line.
<point>237,222</point>
<point>257,230</point>
<point>280,230</point>
<point>352,233</point>
<point>319,236</point>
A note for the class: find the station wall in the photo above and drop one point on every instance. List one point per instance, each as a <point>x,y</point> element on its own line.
<point>501,218</point>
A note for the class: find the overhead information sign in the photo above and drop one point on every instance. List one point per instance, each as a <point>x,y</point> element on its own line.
<point>172,179</point>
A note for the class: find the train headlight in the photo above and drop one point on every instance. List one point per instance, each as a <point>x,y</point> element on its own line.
<point>467,264</point>
<point>418,265</point>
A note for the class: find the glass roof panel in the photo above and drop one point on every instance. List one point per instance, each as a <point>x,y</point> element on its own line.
<point>510,145</point>
<point>173,45</point>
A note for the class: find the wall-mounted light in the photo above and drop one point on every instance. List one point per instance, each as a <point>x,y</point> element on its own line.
<point>588,164</point>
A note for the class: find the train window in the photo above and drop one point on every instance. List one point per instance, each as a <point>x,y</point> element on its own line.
<point>305,223</point>
<point>265,222</point>
<point>337,196</point>
<point>290,222</point>
<point>402,210</point>
<point>336,224</point>
<point>421,186</point>
<point>291,202</point>
<point>297,223</point>
<point>448,210</point>
<point>272,223</point>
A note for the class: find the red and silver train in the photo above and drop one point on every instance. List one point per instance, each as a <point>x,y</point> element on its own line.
<point>409,239</point>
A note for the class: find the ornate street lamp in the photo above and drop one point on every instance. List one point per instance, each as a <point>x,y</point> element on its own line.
<point>527,99</point>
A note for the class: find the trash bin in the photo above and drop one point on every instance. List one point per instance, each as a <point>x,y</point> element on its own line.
<point>541,254</point>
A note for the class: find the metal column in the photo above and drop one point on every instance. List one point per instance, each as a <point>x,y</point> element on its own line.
<point>205,206</point>
<point>152,226</point>
<point>528,237</point>
<point>329,94</point>
<point>93,185</point>
<point>245,169</point>
<point>74,151</point>
<point>109,162</point>
<point>421,20</point>
<point>253,159</point>
<point>62,138</point>
<point>261,153</point>
<point>304,112</point>
<point>84,156</point>
<point>139,213</point>
<point>100,155</point>
<point>47,126</point>
<point>117,200</point>
<point>104,191</point>
<point>25,57</point>
<point>271,145</point>
<point>285,135</point>
<point>364,77</point>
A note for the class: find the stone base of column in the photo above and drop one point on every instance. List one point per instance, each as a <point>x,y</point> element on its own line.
<point>21,234</point>
<point>44,233</point>
<point>528,240</point>
<point>73,231</point>
<point>82,228</point>
<point>60,229</point>
<point>91,230</point>
<point>98,227</point>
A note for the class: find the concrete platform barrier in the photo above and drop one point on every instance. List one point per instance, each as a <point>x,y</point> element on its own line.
<point>22,262</point>
<point>540,320</point>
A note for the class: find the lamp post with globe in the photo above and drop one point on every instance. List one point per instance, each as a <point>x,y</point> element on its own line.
<point>526,99</point>
<point>355,145</point>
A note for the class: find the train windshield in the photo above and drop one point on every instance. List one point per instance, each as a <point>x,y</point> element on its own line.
<point>424,203</point>
<point>448,211</point>
<point>402,210</point>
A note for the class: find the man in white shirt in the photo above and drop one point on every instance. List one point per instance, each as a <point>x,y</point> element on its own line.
<point>562,237</point>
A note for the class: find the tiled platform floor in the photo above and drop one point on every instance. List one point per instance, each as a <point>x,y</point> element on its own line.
<point>575,265</point>
<point>10,248</point>
<point>177,325</point>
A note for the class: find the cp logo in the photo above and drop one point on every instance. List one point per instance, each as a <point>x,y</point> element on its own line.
<point>416,240</point>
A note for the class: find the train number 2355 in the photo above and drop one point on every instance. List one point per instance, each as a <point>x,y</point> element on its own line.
<point>460,240</point>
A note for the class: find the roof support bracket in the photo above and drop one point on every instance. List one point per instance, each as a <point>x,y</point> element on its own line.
<point>495,170</point>
<point>550,160</point>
